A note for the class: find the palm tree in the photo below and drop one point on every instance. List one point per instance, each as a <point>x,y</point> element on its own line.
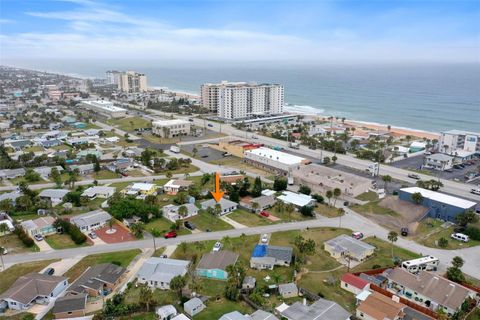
<point>169,175</point>
<point>217,209</point>
<point>289,208</point>
<point>194,151</point>
<point>386,179</point>
<point>183,246</point>
<point>280,206</point>
<point>329,195</point>
<point>110,223</point>
<point>72,178</point>
<point>336,193</point>
<point>146,297</point>
<point>183,211</point>
<point>255,206</point>
<point>392,237</point>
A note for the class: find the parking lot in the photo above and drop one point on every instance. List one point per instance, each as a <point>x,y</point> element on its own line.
<point>205,153</point>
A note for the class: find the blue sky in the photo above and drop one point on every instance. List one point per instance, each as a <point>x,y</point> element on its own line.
<point>355,30</point>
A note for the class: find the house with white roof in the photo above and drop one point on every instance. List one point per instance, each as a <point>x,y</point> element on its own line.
<point>297,199</point>
<point>99,192</point>
<point>172,212</point>
<point>273,160</point>
<point>158,272</point>
<point>345,246</point>
<point>174,186</point>
<point>440,205</point>
<point>226,205</point>
<point>54,196</point>
<point>141,190</point>
<point>92,220</point>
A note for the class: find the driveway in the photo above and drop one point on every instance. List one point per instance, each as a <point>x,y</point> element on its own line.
<point>63,265</point>
<point>43,245</point>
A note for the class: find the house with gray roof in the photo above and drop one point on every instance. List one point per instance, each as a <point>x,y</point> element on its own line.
<point>70,306</point>
<point>99,192</point>
<point>19,144</point>
<point>13,195</point>
<point>32,288</point>
<point>43,226</point>
<point>45,171</point>
<point>288,290</point>
<point>171,212</point>
<point>83,169</point>
<point>158,272</point>
<point>54,196</point>
<point>12,173</point>
<point>234,315</point>
<point>267,256</point>
<point>264,202</point>
<point>249,282</point>
<point>319,310</point>
<point>193,306</point>
<point>262,315</point>
<point>92,220</point>
<point>346,246</point>
<point>226,205</point>
<point>212,265</point>
<point>97,280</point>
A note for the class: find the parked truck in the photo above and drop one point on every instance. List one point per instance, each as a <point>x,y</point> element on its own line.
<point>175,149</point>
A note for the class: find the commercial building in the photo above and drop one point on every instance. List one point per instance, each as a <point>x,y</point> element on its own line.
<point>128,81</point>
<point>276,161</point>
<point>236,147</point>
<point>321,179</point>
<point>439,205</point>
<point>260,121</point>
<point>171,128</point>
<point>266,256</point>
<point>32,288</point>
<point>213,265</point>
<point>346,247</point>
<point>158,272</point>
<point>438,161</point>
<point>428,290</point>
<point>105,108</point>
<point>242,100</point>
<point>453,140</point>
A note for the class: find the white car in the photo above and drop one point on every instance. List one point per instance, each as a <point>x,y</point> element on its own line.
<point>460,237</point>
<point>264,238</point>
<point>217,246</point>
<point>475,191</point>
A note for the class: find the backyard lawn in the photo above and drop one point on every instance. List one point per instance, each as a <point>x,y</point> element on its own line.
<point>122,258</point>
<point>120,185</point>
<point>10,275</point>
<point>62,241</point>
<point>215,309</point>
<point>204,221</point>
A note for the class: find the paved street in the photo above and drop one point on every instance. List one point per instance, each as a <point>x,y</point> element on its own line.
<point>352,221</point>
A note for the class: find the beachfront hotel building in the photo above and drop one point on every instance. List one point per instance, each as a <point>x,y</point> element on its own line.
<point>455,140</point>
<point>242,100</point>
<point>105,108</point>
<point>128,81</point>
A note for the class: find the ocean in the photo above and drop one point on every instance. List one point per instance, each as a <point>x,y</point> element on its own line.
<point>430,97</point>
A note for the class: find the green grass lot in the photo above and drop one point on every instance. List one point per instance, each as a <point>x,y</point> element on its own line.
<point>120,185</point>
<point>33,149</point>
<point>250,219</point>
<point>62,241</point>
<point>158,252</point>
<point>135,173</point>
<point>105,174</point>
<point>367,196</point>
<point>17,180</point>
<point>204,221</point>
<point>430,231</point>
<point>14,245</point>
<point>123,257</point>
<point>474,315</point>
<point>130,124</point>
<point>191,168</point>
<point>163,225</point>
<point>373,207</point>
<point>235,162</point>
<point>287,216</point>
<point>10,275</point>
<point>215,309</point>
<point>327,211</point>
<point>19,316</point>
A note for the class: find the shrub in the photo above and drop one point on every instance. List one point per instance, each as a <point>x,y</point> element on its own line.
<point>473,233</point>
<point>307,211</point>
<point>24,237</point>
<point>319,198</point>
<point>376,266</point>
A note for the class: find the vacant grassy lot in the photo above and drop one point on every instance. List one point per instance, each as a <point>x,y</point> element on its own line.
<point>287,216</point>
<point>123,258</point>
<point>431,230</point>
<point>130,124</point>
<point>204,221</point>
<point>238,163</point>
<point>105,174</point>
<point>327,211</point>
<point>120,185</point>
<point>373,207</point>
<point>249,219</point>
<point>62,241</point>
<point>367,196</point>
<point>10,275</point>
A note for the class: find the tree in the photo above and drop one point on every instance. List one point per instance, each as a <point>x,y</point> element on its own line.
<point>255,206</point>
<point>257,187</point>
<point>458,262</point>
<point>7,206</point>
<point>56,177</point>
<point>442,242</point>
<point>329,195</point>
<point>280,184</point>
<point>32,176</point>
<point>334,159</point>
<point>392,237</point>
<point>386,180</point>
<point>326,161</point>
<point>466,218</point>
<point>307,211</point>
<point>72,178</point>
<point>146,297</point>
<point>137,229</point>
<point>280,205</point>
<point>217,209</point>
<point>194,151</point>
<point>177,283</point>
<point>417,197</point>
<point>181,197</point>
<point>205,178</point>
<point>183,246</point>
<point>336,193</point>
<point>454,273</point>
<point>304,189</point>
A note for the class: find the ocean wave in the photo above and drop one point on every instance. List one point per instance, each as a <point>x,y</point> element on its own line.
<point>303,109</point>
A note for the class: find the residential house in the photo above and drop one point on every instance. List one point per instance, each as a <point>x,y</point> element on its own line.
<point>171,212</point>
<point>92,220</point>
<point>45,172</point>
<point>18,145</point>
<point>12,196</point>
<point>166,312</point>
<point>379,307</point>
<point>428,290</point>
<point>193,306</point>
<point>212,265</point>
<point>174,186</point>
<point>83,169</point>
<point>226,206</point>
<point>99,192</point>
<point>141,190</point>
<point>133,152</point>
<point>12,173</point>
<point>97,280</point>
<point>345,247</point>
<point>288,290</point>
<point>319,310</point>
<point>51,143</point>
<point>128,222</point>
<point>32,288</point>
<point>234,315</point>
<point>70,306</point>
<point>158,272</point>
<point>262,315</point>
<point>353,283</point>
<point>42,226</point>
<point>120,165</point>
<point>263,202</point>
<point>73,142</point>
<point>267,256</point>
<point>297,199</point>
<point>53,196</point>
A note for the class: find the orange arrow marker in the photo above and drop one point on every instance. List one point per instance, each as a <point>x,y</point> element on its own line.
<point>217,195</point>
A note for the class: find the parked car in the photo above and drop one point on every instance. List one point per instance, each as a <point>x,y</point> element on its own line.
<point>171,234</point>
<point>210,125</point>
<point>49,272</point>
<point>189,225</point>
<point>5,251</point>
<point>404,231</point>
<point>217,246</point>
<point>475,191</point>
<point>357,235</point>
<point>38,237</point>
<point>460,237</point>
<point>92,235</point>
<point>448,170</point>
<point>414,176</point>
<point>264,238</point>
<point>191,120</point>
<point>163,256</point>
<point>265,214</point>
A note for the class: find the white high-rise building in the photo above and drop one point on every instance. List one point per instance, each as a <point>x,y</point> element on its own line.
<point>128,81</point>
<point>241,100</point>
<point>454,140</point>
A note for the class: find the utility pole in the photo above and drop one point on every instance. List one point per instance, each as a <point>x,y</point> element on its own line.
<point>154,244</point>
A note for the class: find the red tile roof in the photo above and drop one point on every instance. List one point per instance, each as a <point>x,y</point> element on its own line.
<point>353,280</point>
